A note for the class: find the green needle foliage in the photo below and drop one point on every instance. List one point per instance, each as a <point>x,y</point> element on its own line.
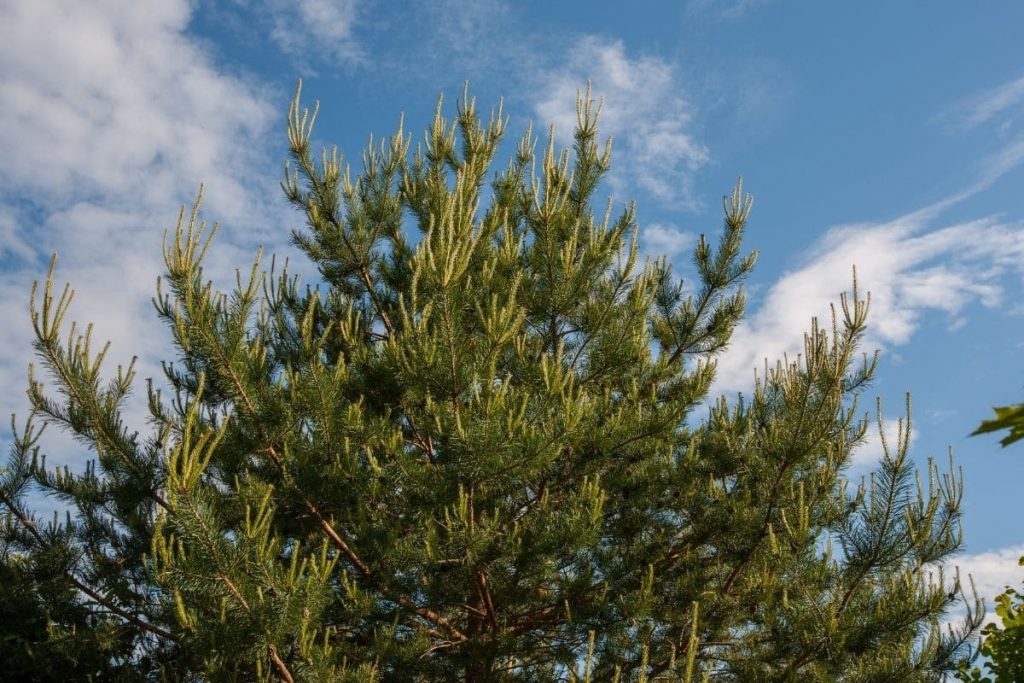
<point>474,451</point>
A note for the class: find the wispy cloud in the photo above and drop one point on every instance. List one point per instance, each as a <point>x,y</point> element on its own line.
<point>645,111</point>
<point>983,106</point>
<point>1006,101</point>
<point>401,43</point>
<point>998,164</point>
<point>660,239</point>
<point>467,27</point>
<point>315,30</point>
<point>727,9</point>
<point>911,270</point>
<point>12,244</point>
<point>110,117</point>
<point>435,44</point>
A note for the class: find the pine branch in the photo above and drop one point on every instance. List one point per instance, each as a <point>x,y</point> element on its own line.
<point>30,526</point>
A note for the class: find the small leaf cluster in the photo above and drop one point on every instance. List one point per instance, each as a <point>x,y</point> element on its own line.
<point>1003,644</point>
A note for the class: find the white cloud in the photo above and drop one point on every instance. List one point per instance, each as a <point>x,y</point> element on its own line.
<point>910,270</point>
<point>315,29</point>
<point>93,94</point>
<point>110,117</point>
<point>644,110</point>
<point>998,164</point>
<point>867,456</point>
<point>983,106</point>
<point>468,28</point>
<point>12,244</point>
<point>992,572</point>
<point>658,239</point>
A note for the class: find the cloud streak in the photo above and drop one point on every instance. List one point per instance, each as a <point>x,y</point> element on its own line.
<point>315,29</point>
<point>982,107</point>
<point>911,270</point>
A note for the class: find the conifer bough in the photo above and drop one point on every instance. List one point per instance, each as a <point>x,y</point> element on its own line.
<point>476,451</point>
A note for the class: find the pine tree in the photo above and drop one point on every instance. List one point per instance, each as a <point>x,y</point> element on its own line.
<point>475,450</point>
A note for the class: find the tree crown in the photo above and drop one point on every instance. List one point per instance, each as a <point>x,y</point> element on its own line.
<point>470,451</point>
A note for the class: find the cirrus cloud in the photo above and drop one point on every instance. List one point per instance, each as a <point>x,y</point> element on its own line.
<point>910,269</point>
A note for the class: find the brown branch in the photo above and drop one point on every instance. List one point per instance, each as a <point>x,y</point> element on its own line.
<point>344,547</point>
<point>124,614</point>
<point>282,668</point>
<point>328,528</point>
<point>425,445</point>
<point>534,619</point>
<point>485,596</point>
<point>365,276</point>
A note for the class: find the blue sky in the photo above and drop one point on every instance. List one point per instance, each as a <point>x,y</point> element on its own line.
<point>889,136</point>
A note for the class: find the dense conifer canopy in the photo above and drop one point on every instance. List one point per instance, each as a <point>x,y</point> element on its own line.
<point>480,448</point>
